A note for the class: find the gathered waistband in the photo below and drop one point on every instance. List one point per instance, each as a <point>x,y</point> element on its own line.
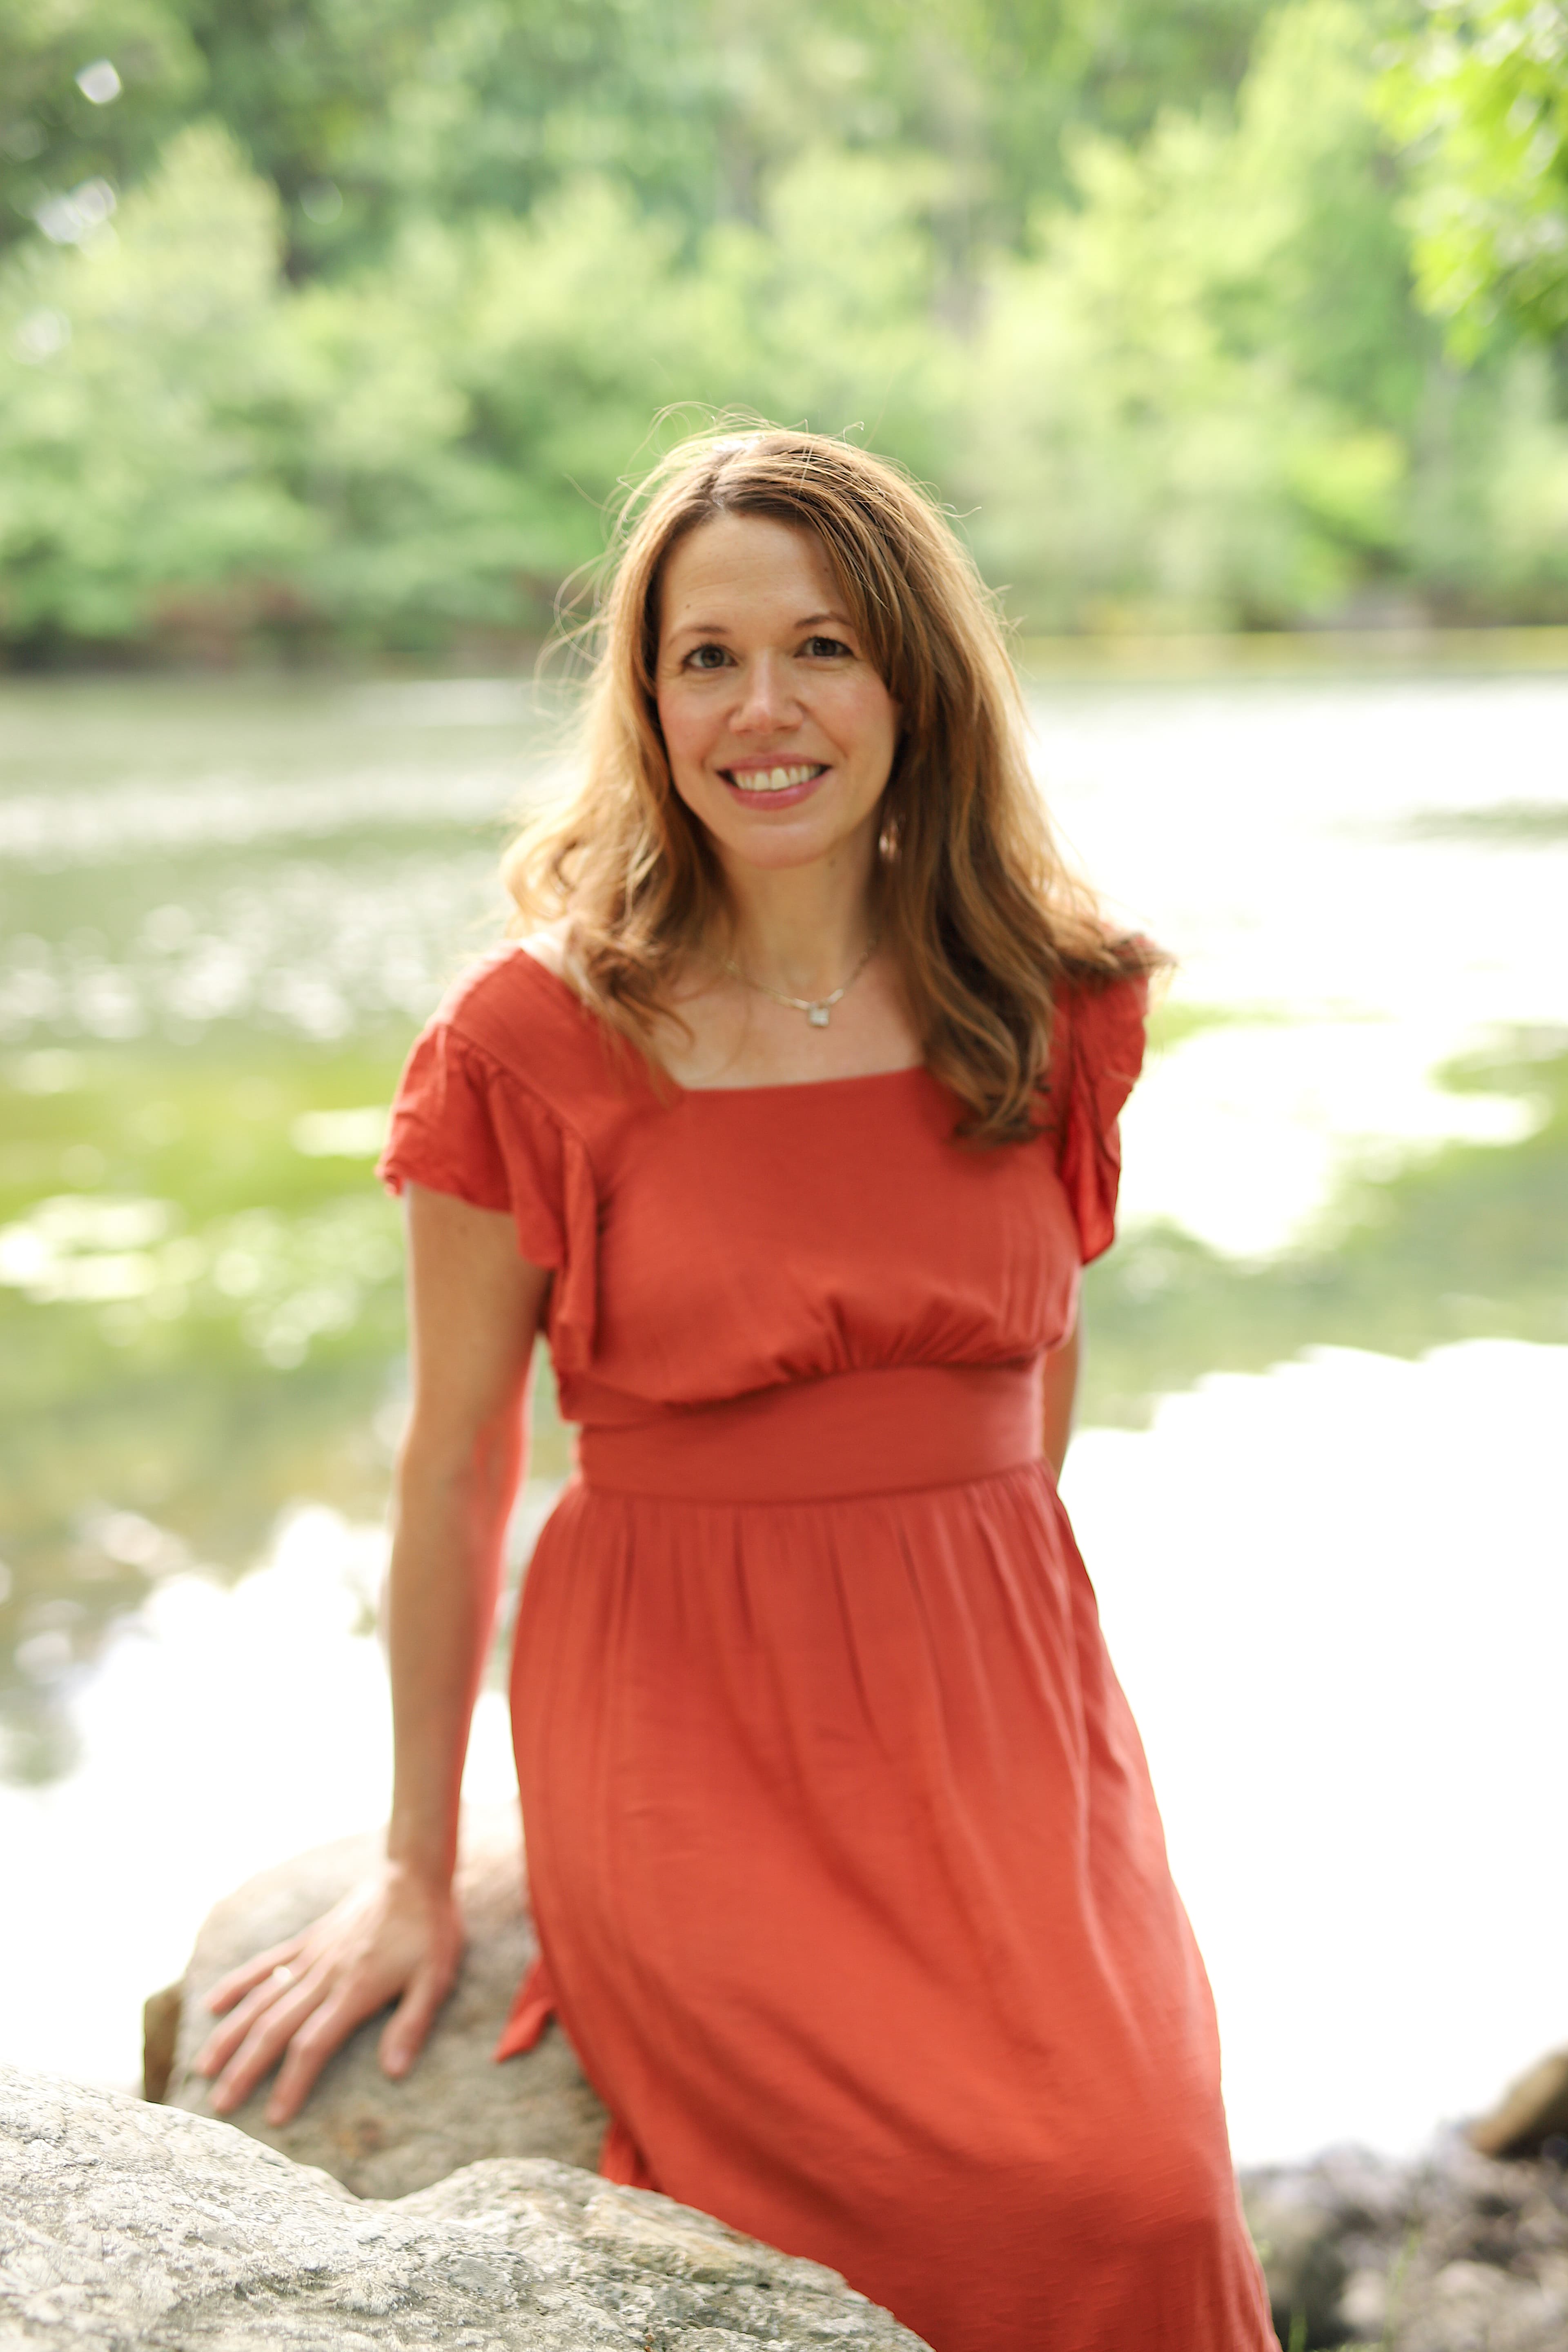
<point>872,1433</point>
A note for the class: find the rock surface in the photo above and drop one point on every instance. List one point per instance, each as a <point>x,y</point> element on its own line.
<point>1531,2114</point>
<point>383,2138</point>
<point>126,2225</point>
<point>1458,2253</point>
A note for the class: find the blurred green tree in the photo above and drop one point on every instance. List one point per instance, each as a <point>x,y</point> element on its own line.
<point>343,322</point>
<point>1481,89</point>
<point>1207,396</point>
<point>366,112</point>
<point>135,467</point>
<point>89,92</point>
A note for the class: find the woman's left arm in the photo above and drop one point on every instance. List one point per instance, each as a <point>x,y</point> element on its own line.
<point>1060,1387</point>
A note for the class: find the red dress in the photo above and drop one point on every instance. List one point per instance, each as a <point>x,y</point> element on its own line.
<point>848,1874</point>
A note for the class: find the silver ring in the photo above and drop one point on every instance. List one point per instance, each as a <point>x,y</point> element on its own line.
<point>281,1977</point>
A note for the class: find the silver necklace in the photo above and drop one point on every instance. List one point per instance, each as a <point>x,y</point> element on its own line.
<point>816,1009</point>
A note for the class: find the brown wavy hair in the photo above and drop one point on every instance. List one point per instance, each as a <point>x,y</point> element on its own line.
<point>970,896</point>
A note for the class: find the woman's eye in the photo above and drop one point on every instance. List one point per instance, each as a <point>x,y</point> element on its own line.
<point>825,649</point>
<point>707,657</point>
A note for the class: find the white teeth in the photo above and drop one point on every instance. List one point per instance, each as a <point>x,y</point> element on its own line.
<point>777,779</point>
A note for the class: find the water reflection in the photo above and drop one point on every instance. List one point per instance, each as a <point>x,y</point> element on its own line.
<point>1465,1242</point>
<point>212,1330</point>
<point>1334,1592</point>
<point>222,910</point>
<point>298,947</point>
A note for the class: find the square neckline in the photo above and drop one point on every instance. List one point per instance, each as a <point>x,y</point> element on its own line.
<point>772,1087</point>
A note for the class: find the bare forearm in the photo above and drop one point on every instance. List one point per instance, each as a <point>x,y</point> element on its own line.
<point>440,1613</point>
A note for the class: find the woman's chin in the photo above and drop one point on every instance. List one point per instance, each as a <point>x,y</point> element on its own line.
<point>778,848</point>
<point>811,830</point>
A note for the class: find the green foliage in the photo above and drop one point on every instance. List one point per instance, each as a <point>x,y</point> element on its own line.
<point>366,115</point>
<point>1206,372</point>
<point>1483,87</point>
<point>134,464</point>
<point>1205,395</point>
<point>351,322</point>
<point>54,137</point>
<point>430,442</point>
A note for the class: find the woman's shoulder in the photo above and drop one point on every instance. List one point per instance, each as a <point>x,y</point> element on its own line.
<point>497,1105</point>
<point>1101,1012</point>
<point>1099,1036</point>
<point>1107,1009</point>
<point>1097,1054</point>
<point>517,1008</point>
<point>511,1063</point>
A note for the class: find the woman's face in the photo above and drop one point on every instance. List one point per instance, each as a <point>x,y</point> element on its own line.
<point>780,733</point>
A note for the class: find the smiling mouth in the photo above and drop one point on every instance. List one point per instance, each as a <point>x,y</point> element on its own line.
<point>774,780</point>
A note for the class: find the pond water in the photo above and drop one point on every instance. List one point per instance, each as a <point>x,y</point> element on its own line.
<point>1328,1367</point>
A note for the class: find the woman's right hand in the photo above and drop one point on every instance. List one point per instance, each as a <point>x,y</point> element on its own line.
<point>395,1937</point>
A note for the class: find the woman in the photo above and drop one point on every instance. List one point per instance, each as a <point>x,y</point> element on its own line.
<point>793,1126</point>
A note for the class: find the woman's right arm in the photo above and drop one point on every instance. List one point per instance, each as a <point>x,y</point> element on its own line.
<point>474,1308</point>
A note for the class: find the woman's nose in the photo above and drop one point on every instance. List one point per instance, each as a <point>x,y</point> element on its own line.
<point>767,698</point>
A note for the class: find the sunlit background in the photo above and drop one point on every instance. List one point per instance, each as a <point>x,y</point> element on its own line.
<point>1233,335</point>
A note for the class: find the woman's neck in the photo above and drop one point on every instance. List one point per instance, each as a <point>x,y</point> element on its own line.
<point>801,929</point>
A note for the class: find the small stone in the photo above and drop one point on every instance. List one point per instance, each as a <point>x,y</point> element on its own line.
<point>1533,2110</point>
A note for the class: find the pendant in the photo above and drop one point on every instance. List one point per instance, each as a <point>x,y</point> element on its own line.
<point>817,1015</point>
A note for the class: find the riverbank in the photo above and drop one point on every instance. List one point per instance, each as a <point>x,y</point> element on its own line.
<point>500,660</point>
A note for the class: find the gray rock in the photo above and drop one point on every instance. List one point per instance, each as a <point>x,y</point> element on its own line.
<point>379,2137</point>
<point>125,2225</point>
<point>1456,2253</point>
<point>1317,2227</point>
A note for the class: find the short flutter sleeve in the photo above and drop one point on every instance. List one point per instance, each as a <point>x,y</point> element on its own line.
<point>463,1123</point>
<point>1096,1056</point>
